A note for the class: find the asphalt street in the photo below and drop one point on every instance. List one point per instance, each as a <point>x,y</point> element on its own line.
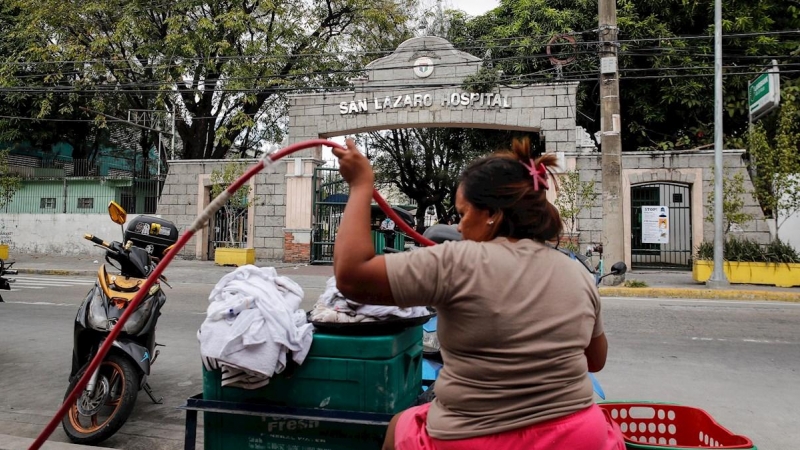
<point>740,361</point>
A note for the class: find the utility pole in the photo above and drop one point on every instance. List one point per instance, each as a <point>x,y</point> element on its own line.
<point>718,278</point>
<point>610,141</point>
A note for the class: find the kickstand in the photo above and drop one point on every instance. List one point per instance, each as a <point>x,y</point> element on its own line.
<point>149,391</point>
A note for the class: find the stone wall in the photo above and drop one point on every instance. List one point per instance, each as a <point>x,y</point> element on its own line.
<point>186,192</point>
<point>694,169</point>
<point>58,234</point>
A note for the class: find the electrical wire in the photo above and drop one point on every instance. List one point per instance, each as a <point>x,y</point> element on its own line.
<point>431,48</point>
<point>182,86</point>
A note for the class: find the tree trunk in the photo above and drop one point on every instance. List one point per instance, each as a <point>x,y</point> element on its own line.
<point>198,139</point>
<point>420,217</point>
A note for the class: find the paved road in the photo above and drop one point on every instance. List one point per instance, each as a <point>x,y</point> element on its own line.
<point>739,361</point>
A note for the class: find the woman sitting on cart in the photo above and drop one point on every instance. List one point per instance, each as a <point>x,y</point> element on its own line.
<point>519,322</point>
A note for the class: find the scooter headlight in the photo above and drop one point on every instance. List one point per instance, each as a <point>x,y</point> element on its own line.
<point>97,319</point>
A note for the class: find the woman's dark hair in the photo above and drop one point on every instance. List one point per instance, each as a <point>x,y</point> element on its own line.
<point>502,183</point>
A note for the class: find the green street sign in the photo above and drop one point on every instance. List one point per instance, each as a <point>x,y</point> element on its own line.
<point>764,93</point>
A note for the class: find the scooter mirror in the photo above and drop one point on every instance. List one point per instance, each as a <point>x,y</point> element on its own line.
<point>117,213</point>
<point>619,268</point>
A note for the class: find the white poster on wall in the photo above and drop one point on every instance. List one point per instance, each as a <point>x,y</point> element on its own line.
<point>655,224</point>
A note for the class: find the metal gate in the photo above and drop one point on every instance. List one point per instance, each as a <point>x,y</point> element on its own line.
<point>677,253</point>
<point>330,198</point>
<point>220,233</point>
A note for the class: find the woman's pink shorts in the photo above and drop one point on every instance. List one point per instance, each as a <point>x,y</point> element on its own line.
<point>588,429</point>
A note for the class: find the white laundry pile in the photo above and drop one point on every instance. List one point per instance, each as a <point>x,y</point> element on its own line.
<point>253,320</point>
<point>332,306</point>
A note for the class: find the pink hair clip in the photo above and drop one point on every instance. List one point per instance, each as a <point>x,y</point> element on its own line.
<point>539,174</point>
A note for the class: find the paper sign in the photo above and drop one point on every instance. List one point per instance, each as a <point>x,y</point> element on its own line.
<point>655,224</point>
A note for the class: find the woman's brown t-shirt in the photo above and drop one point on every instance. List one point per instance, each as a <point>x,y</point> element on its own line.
<point>514,320</point>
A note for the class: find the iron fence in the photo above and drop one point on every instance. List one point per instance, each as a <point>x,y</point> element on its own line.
<point>228,230</point>
<point>330,198</point>
<point>676,253</point>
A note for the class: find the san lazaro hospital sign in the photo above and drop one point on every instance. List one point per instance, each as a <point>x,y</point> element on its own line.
<point>455,99</point>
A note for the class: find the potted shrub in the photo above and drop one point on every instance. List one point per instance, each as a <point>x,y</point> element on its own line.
<point>234,252</point>
<point>573,196</point>
<point>747,262</point>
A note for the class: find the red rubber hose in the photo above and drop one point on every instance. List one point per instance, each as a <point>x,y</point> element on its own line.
<point>198,224</point>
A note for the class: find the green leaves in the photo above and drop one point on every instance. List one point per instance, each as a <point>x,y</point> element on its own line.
<point>776,164</point>
<point>574,196</point>
<point>224,67</point>
<point>9,182</point>
<point>732,202</point>
<point>222,178</point>
<point>666,83</point>
<point>746,250</point>
<point>484,80</point>
<point>238,203</point>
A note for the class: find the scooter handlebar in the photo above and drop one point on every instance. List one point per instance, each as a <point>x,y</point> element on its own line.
<point>96,240</point>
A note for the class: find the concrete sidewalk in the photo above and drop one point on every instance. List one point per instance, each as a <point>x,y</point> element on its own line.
<point>660,284</point>
<point>179,270</point>
<point>17,443</point>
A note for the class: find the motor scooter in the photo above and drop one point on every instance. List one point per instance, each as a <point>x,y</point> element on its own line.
<point>5,282</point>
<point>109,397</point>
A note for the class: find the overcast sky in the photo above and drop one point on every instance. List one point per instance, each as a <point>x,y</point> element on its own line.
<point>473,7</point>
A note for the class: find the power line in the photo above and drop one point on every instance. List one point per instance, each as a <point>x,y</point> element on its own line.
<point>202,85</point>
<point>425,89</point>
<point>434,48</point>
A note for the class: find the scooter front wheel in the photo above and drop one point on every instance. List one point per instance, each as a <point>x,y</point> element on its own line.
<point>94,418</point>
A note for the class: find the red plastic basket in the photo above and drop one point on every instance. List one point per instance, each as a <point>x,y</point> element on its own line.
<point>662,426</point>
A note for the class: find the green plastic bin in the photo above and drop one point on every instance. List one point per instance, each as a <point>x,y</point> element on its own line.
<point>381,374</point>
<point>366,385</point>
<point>237,432</point>
<point>364,347</point>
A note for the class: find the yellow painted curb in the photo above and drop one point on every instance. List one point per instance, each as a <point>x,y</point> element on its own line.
<point>702,293</point>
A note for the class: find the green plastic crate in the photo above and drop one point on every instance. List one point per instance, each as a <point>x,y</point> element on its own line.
<point>381,374</point>
<point>364,347</point>
<point>333,377</point>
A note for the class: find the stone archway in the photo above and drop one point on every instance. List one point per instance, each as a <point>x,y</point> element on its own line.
<point>418,85</point>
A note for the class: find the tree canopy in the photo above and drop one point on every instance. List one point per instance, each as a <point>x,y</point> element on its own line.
<point>666,58</point>
<point>224,67</point>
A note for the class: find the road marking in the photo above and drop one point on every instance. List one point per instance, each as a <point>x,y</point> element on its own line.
<point>43,304</point>
<point>55,279</point>
<point>751,341</point>
<point>33,282</point>
<point>46,283</point>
